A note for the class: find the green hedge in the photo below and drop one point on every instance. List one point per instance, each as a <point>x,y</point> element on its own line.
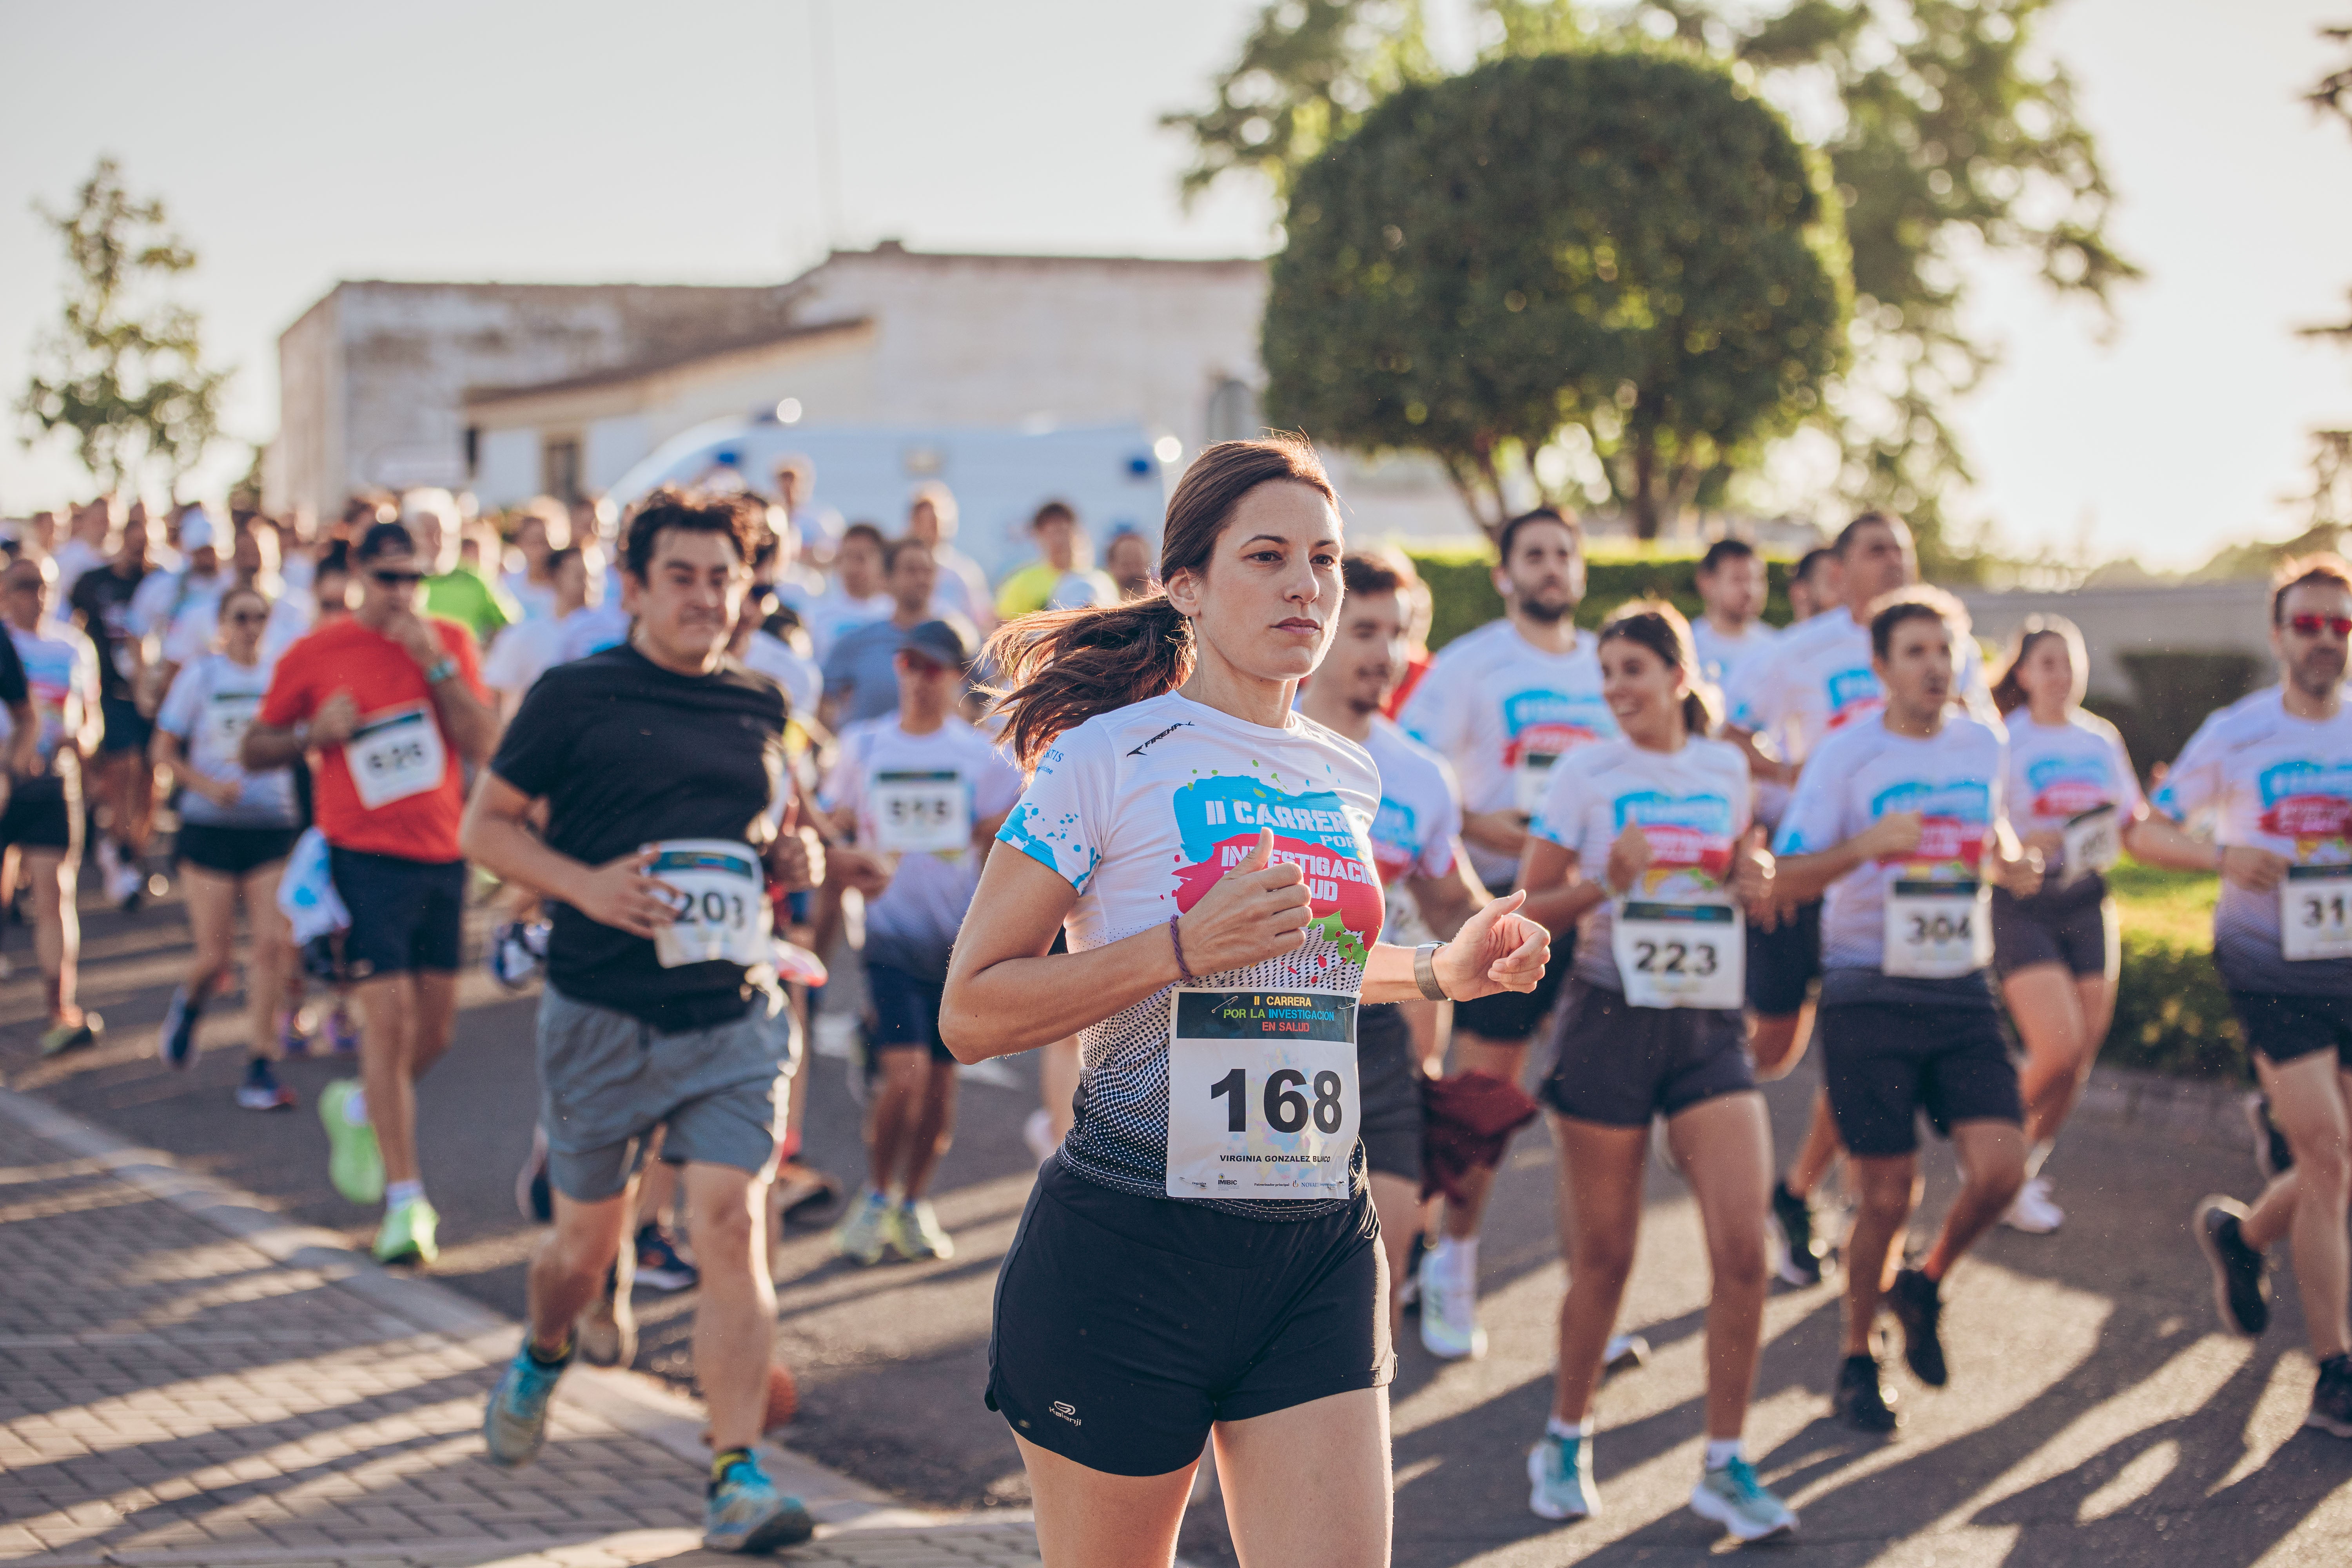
<point>1462,586</point>
<point>2172,1014</point>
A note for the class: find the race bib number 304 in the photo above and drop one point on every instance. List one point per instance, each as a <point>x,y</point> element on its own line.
<point>395,754</point>
<point>722,903</point>
<point>2315,912</point>
<point>1262,1094</point>
<point>1937,931</point>
<point>1680,954</point>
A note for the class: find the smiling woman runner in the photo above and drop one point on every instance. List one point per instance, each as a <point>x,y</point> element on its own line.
<point>1200,1255</point>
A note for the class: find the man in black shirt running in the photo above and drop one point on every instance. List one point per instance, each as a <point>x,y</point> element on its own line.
<point>661,766</point>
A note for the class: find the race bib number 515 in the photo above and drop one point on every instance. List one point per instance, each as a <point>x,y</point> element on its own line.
<point>1262,1094</point>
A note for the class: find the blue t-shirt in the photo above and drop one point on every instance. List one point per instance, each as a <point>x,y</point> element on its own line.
<point>860,671</point>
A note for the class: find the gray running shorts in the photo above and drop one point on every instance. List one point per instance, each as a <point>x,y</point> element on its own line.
<point>607,1080</point>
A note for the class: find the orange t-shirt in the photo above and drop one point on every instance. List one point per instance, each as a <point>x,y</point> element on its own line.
<point>399,803</point>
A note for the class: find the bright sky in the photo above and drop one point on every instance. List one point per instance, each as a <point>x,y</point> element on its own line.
<point>299,143</point>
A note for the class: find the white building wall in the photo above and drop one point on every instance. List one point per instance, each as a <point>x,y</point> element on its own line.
<point>505,468</point>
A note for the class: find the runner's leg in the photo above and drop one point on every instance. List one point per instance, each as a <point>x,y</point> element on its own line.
<point>2268,1221</point>
<point>1600,1217</point>
<point>1309,1486</point>
<point>1090,1518</point>
<point>1724,1147</point>
<point>933,1129</point>
<point>898,1102</point>
<point>1777,1041</point>
<point>1889,1187</point>
<point>735,1315</point>
<point>567,1268</point>
<point>212,921</point>
<point>388,1006</point>
<point>1992,1167</point>
<point>2047,1008</point>
<point>1497,1058</point>
<point>272,959</point>
<point>56,928</point>
<point>2308,1102</point>
<point>435,1023</point>
<point>1818,1152</point>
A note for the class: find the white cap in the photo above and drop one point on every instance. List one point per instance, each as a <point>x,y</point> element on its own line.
<point>195,531</point>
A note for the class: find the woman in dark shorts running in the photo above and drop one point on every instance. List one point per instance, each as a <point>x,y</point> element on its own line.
<point>236,829</point>
<point>1644,844</point>
<point>2073,796</point>
<point>1200,1257</point>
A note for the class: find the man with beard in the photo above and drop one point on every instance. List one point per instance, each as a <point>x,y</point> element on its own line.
<point>1501,704</point>
<point>2276,769</point>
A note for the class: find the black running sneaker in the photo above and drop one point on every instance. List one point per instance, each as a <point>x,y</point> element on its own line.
<point>1793,1223</point>
<point>2272,1156</point>
<point>1915,1306</point>
<point>1862,1400</point>
<point>2331,1402</point>
<point>2241,1276</point>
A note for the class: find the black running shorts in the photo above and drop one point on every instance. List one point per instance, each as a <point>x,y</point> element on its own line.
<point>1388,1079</point>
<point>232,851</point>
<point>2285,1029</point>
<point>44,813</point>
<point>906,1011</point>
<point>1510,1015</point>
<point>2076,928</point>
<point>1784,963</point>
<point>1884,1063</point>
<point>1125,1326</point>
<point>1619,1065</point>
<point>406,915</point>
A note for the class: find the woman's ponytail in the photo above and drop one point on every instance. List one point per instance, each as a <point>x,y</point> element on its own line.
<point>1058,669</point>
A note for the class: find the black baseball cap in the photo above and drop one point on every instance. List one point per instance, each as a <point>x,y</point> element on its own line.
<point>942,643</point>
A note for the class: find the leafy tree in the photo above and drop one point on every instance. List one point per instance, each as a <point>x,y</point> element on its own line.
<point>1947,136</point>
<point>125,377</point>
<point>1619,241</point>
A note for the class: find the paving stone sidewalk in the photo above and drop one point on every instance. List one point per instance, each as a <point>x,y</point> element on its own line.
<point>186,1381</point>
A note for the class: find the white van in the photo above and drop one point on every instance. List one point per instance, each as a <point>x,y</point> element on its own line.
<point>1112,475</point>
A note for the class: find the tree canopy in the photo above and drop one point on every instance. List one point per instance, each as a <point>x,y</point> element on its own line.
<point>1621,241</point>
<point>122,373</point>
<point>1948,134</point>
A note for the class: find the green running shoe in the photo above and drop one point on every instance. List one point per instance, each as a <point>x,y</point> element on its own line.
<point>869,1229</point>
<point>1561,1469</point>
<point>515,1424</point>
<point>1734,1499</point>
<point>354,1164</point>
<point>918,1234</point>
<point>407,1235</point>
<point>67,1038</point>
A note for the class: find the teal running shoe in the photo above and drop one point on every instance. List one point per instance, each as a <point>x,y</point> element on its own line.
<point>1561,1469</point>
<point>746,1513</point>
<point>515,1424</point>
<point>1733,1498</point>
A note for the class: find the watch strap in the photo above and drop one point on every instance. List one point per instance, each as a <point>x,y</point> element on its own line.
<point>1425,972</point>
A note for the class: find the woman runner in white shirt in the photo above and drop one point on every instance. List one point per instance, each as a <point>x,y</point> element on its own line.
<point>1200,1257</point>
<point>1644,844</point>
<point>2071,790</point>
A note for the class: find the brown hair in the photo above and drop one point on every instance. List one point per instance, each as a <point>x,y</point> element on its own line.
<point>2008,694</point>
<point>2325,566</point>
<point>1061,668</point>
<point>1655,625</point>
<point>1917,603</point>
<point>1368,574</point>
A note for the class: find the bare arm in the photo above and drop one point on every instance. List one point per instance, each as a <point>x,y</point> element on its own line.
<point>1497,949</point>
<point>1801,878</point>
<point>1447,902</point>
<point>167,752</point>
<point>1558,895</point>
<point>1762,765</point>
<point>1502,832</point>
<point>471,724</point>
<point>496,835</point>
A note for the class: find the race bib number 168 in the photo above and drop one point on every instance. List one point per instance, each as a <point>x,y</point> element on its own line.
<point>1262,1094</point>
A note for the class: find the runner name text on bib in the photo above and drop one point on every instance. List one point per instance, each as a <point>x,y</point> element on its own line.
<point>1681,954</point>
<point>1937,931</point>
<point>395,754</point>
<point>1262,1094</point>
<point>2315,912</point>
<point>722,908</point>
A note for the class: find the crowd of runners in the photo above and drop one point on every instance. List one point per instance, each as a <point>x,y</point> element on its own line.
<point>1306,922</point>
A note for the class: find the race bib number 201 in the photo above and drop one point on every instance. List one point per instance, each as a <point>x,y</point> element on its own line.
<point>1262,1094</point>
<point>722,903</point>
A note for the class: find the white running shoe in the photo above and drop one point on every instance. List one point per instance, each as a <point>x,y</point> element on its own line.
<point>2032,1210</point>
<point>1449,1317</point>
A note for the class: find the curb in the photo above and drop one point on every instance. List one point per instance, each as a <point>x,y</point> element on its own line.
<point>636,1404</point>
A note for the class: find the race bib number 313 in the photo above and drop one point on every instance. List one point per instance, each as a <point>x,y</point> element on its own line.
<point>1262,1094</point>
<point>2315,912</point>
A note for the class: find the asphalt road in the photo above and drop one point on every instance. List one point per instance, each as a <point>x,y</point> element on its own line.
<point>2095,1416</point>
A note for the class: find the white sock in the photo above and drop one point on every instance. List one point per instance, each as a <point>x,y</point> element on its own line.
<point>355,1108</point>
<point>1454,1262</point>
<point>398,1193</point>
<point>1556,1428</point>
<point>2035,1158</point>
<point>1721,1451</point>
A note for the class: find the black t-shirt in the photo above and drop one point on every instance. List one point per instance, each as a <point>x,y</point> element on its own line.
<point>13,687</point>
<point>101,597</point>
<point>626,753</point>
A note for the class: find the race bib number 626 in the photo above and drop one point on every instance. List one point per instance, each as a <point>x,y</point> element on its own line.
<point>1262,1094</point>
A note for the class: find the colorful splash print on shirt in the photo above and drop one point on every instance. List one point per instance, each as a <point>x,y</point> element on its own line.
<point>2067,786</point>
<point>1396,839</point>
<point>1689,834</point>
<point>1955,829</point>
<point>1854,694</point>
<point>1551,723</point>
<point>1219,817</point>
<point>2311,803</point>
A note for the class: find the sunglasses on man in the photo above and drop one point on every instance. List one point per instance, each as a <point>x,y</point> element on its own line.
<point>2311,626</point>
<point>398,579</point>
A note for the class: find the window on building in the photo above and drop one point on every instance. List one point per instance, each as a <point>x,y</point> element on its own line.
<point>1232,412</point>
<point>473,449</point>
<point>558,469</point>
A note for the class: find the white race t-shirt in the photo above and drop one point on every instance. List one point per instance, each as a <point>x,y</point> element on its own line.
<point>2278,783</point>
<point>61,673</point>
<point>1500,708</point>
<point>1414,834</point>
<point>2057,772</point>
<point>1816,679</point>
<point>911,926</point>
<point>212,700</point>
<point>1719,655</point>
<point>802,682</point>
<point>522,653</point>
<point>1692,805</point>
<point>1957,780</point>
<point>836,612</point>
<point>1142,810</point>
